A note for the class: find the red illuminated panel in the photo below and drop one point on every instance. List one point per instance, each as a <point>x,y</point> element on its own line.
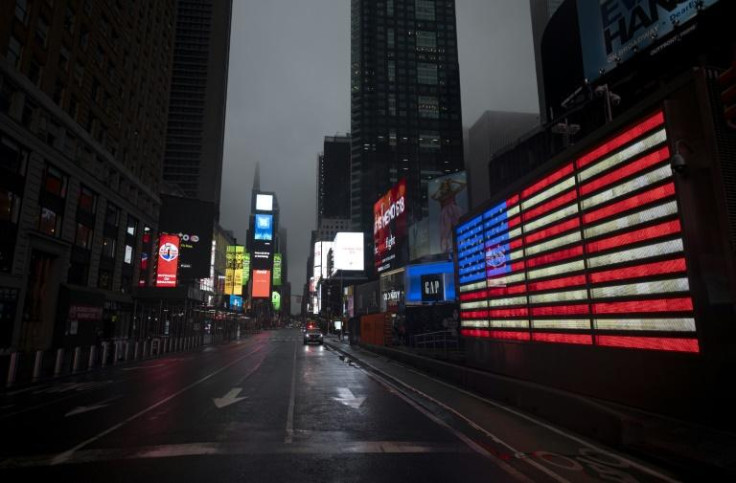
<point>561,310</point>
<point>584,339</point>
<point>168,261</point>
<point>478,314</point>
<point>682,304</point>
<point>627,170</point>
<point>501,313</point>
<point>474,333</point>
<point>549,180</point>
<point>500,334</point>
<point>555,257</point>
<point>518,243</point>
<point>656,231</point>
<point>474,296</point>
<point>514,221</point>
<point>512,201</point>
<point>647,269</point>
<point>262,284</point>
<point>645,126</point>
<point>655,194</point>
<point>549,205</point>
<point>653,343</point>
<point>553,230</point>
<point>557,283</point>
<point>502,291</point>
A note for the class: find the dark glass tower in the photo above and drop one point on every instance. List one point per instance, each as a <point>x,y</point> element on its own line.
<point>333,183</point>
<point>196,128</point>
<point>405,93</point>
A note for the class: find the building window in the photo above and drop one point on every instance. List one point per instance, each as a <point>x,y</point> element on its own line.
<point>34,72</point>
<point>391,39</point>
<point>392,104</point>
<point>49,222</point>
<point>69,20</point>
<point>429,140</point>
<point>112,215</point>
<point>424,9</point>
<point>83,237</point>
<point>426,40</point>
<point>87,200</point>
<point>108,247</point>
<point>390,8</point>
<point>42,31</point>
<point>64,57</point>
<point>391,71</point>
<point>128,255</point>
<point>9,206</point>
<point>15,49</point>
<point>13,158</point>
<point>427,73</point>
<point>105,280</point>
<point>132,226</point>
<point>54,182</point>
<point>428,107</point>
<point>21,10</point>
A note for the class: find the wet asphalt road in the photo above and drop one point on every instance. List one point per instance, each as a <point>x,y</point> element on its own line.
<point>268,408</point>
<point>265,409</point>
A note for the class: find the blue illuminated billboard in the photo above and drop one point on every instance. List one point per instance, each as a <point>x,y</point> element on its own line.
<point>264,227</point>
<point>236,303</point>
<point>429,282</point>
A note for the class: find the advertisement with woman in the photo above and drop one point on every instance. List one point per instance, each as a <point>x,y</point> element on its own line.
<point>448,201</point>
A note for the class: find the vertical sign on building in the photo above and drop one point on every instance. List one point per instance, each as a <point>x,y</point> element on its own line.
<point>168,261</point>
<point>276,269</point>
<point>389,227</point>
<point>238,276</point>
<point>229,270</point>
<point>246,268</point>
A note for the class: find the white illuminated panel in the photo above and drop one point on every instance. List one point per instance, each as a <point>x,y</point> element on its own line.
<point>264,202</point>
<point>569,296</point>
<point>554,243</point>
<point>481,304</point>
<point>644,288</point>
<point>513,211</point>
<point>508,301</point>
<point>347,252</point>
<point>516,255</point>
<point>552,217</point>
<point>514,233</point>
<point>549,193</point>
<point>506,280</point>
<point>634,219</point>
<point>632,151</point>
<point>510,324</point>
<point>475,324</point>
<point>582,324</point>
<point>624,188</point>
<point>670,325</point>
<point>473,286</point>
<point>557,269</point>
<point>664,248</point>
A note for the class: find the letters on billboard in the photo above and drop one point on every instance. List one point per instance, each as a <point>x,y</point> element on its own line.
<point>264,227</point>
<point>192,220</point>
<point>168,261</point>
<point>389,227</point>
<point>276,269</point>
<point>613,31</point>
<point>230,270</point>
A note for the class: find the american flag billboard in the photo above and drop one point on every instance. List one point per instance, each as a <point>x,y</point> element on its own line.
<point>590,254</point>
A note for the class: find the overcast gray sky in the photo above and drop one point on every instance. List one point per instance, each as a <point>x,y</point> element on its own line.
<point>289,86</point>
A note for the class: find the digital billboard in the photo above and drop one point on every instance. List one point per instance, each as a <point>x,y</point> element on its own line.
<point>236,303</point>
<point>261,284</point>
<point>264,202</point>
<point>276,269</point>
<point>238,278</point>
<point>193,221</point>
<point>246,268</point>
<point>429,282</point>
<point>347,252</point>
<point>168,261</point>
<point>589,254</point>
<point>321,258</point>
<point>263,227</point>
<point>230,270</point>
<point>276,300</point>
<point>613,31</point>
<point>389,227</point>
<point>448,201</point>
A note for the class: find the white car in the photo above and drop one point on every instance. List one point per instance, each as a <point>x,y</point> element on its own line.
<point>313,335</point>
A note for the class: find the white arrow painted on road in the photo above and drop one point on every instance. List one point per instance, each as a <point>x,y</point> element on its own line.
<point>348,398</point>
<point>229,398</point>
<point>93,407</point>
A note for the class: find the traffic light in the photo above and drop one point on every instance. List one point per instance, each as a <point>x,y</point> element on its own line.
<point>727,83</point>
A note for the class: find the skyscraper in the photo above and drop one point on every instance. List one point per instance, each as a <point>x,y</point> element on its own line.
<point>333,179</point>
<point>196,128</point>
<point>405,96</point>
<point>541,12</point>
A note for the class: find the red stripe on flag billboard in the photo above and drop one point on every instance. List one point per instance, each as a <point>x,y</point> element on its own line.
<point>591,253</point>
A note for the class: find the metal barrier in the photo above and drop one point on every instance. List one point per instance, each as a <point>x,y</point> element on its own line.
<point>443,340</point>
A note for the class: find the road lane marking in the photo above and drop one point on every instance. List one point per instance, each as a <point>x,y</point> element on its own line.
<point>290,417</point>
<point>64,457</point>
<point>242,449</point>
<point>91,407</point>
<point>229,398</point>
<point>348,398</point>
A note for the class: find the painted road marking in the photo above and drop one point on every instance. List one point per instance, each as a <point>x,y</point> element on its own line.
<point>92,407</point>
<point>348,398</point>
<point>290,416</point>
<point>66,455</point>
<point>229,398</point>
<point>241,449</point>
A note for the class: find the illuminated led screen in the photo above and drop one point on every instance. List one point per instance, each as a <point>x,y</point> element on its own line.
<point>590,254</point>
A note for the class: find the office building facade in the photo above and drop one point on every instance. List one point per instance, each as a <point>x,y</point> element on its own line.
<point>333,179</point>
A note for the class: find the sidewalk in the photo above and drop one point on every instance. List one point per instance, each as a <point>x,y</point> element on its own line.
<point>488,399</point>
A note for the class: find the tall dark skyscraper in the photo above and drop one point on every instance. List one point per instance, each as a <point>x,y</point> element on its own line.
<point>333,179</point>
<point>196,128</point>
<point>406,118</point>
